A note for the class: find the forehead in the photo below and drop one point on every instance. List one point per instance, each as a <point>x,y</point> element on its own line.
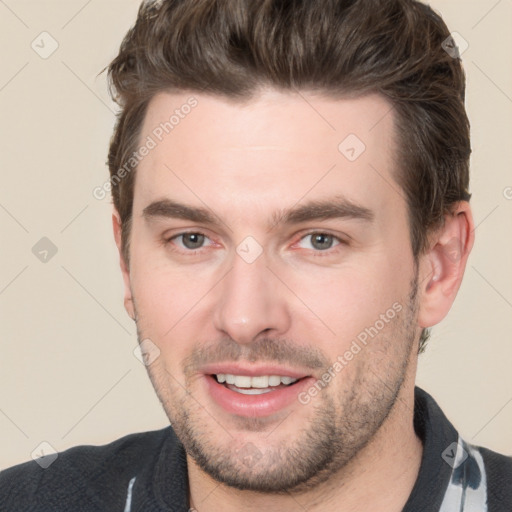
<point>269,151</point>
<point>272,118</point>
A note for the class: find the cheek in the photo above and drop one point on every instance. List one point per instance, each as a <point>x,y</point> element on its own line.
<point>164,298</point>
<point>351,299</point>
<point>161,294</point>
<point>162,305</point>
<point>173,305</point>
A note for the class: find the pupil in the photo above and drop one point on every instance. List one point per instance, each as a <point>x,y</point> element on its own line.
<point>193,240</point>
<point>322,241</point>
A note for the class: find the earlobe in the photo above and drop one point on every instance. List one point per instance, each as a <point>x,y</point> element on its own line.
<point>442,266</point>
<point>128,299</point>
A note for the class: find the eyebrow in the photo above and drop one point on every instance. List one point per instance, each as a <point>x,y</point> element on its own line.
<point>166,208</point>
<point>338,207</point>
<point>333,208</point>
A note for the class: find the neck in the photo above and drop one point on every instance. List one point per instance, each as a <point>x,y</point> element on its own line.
<point>390,461</point>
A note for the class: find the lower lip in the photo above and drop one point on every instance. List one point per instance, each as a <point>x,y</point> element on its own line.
<point>255,405</point>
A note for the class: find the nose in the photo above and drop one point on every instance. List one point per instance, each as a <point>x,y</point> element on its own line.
<point>251,302</point>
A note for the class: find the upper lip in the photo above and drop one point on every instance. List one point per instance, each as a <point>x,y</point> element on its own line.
<point>252,370</point>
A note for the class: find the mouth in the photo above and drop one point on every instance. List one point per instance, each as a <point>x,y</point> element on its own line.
<point>253,392</point>
<point>254,385</point>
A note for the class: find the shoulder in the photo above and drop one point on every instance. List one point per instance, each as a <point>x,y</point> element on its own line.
<point>498,470</point>
<point>82,477</point>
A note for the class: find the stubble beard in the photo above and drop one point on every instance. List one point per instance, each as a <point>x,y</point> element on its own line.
<point>340,427</point>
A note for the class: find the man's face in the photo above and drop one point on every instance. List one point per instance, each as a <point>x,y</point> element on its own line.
<point>277,252</point>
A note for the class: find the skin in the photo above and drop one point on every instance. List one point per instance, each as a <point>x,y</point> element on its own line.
<point>298,302</point>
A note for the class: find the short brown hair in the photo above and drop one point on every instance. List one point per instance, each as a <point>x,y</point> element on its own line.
<point>233,48</point>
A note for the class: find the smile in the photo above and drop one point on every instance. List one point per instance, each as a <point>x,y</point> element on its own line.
<point>256,385</point>
<point>255,395</point>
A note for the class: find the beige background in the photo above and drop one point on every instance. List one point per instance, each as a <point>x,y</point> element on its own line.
<point>67,371</point>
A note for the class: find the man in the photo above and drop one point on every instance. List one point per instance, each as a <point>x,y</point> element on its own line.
<point>290,186</point>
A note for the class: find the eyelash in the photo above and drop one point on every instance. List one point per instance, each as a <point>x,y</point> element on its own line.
<point>317,253</point>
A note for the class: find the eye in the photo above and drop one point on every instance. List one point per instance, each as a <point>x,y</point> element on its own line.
<point>319,241</point>
<point>189,241</point>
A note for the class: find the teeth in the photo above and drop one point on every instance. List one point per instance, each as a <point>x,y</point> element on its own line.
<point>260,381</point>
<point>250,391</point>
<point>242,381</point>
<point>274,380</point>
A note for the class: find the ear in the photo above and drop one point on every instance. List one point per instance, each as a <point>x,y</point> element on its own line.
<point>442,266</point>
<point>128,300</point>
